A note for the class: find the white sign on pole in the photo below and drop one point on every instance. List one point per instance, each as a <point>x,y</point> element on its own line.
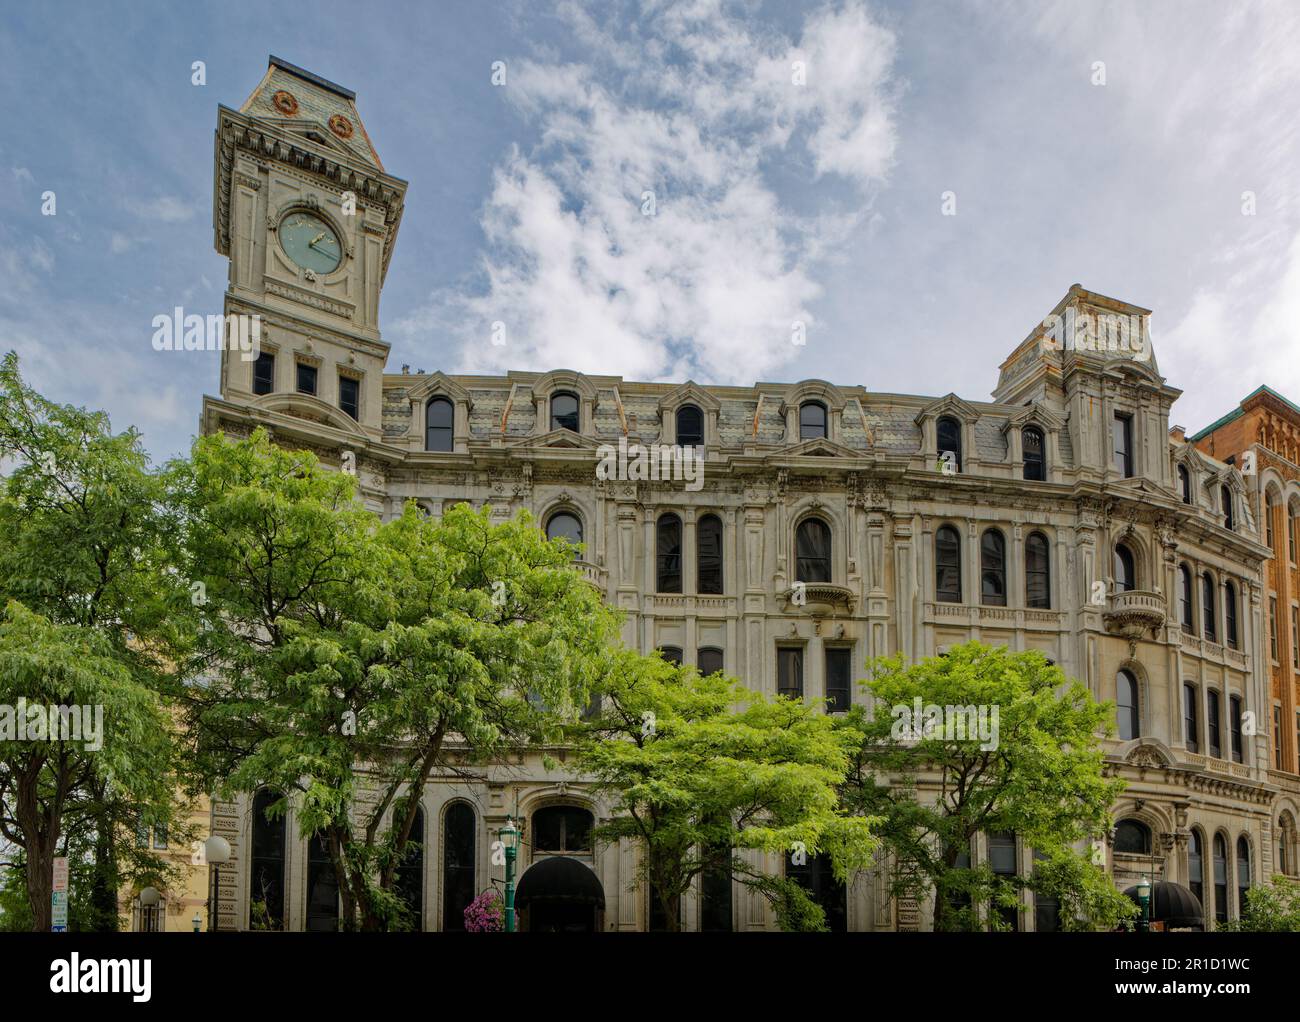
<point>60,874</point>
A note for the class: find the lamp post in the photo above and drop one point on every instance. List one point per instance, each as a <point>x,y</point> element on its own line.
<point>1144,899</point>
<point>216,850</point>
<point>197,921</point>
<point>510,844</point>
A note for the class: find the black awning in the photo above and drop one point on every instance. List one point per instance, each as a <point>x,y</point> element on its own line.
<point>1173,904</point>
<point>560,878</point>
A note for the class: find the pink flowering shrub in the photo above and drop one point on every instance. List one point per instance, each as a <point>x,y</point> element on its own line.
<point>486,913</point>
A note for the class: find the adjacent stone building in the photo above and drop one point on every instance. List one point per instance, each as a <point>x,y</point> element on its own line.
<point>833,524</point>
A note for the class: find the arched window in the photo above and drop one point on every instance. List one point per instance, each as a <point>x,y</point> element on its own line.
<point>947,565</point>
<point>1185,598</point>
<point>568,526</point>
<point>668,554</point>
<point>993,569</point>
<point>409,879</point>
<point>1125,569</point>
<point>1191,733</point>
<point>1220,879</point>
<point>1225,495</point>
<point>1126,706</point>
<point>564,411</point>
<point>812,420</point>
<point>1038,573</point>
<point>322,887</point>
<point>708,547</point>
<point>1234,728</point>
<point>1243,874</point>
<point>1031,444</point>
<point>1270,509</point>
<point>948,435</point>
<point>690,426</point>
<point>1209,615</point>
<point>562,830</point>
<point>266,876</point>
<point>1132,837</point>
<point>812,544</point>
<point>439,425</point>
<point>1184,484</point>
<point>1292,530</point>
<point>1284,835</point>
<point>1213,730</point>
<point>673,654</point>
<point>1230,615</point>
<point>458,840</point>
<point>1196,865</point>
<point>709,660</point>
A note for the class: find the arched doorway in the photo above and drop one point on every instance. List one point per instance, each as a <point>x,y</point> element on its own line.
<point>560,894</point>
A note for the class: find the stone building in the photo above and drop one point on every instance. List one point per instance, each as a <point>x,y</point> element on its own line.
<point>833,524</point>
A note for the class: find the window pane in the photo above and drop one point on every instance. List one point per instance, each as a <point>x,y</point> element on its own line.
<point>1031,442</point>
<point>709,660</point>
<point>266,894</point>
<point>1209,623</point>
<point>993,569</point>
<point>668,554</point>
<point>690,426</point>
<point>1038,587</point>
<point>947,558</point>
<point>1127,706</point>
<point>350,396</point>
<point>948,434</point>
<point>1212,722</point>
<point>409,882</point>
<point>1125,573</point>
<point>564,525</point>
<point>813,551</point>
<point>264,374</point>
<point>564,412</point>
<point>440,416</point>
<point>838,679</point>
<point>1132,837</point>
<point>322,888</point>
<point>708,540</point>
<point>789,671</point>
<point>812,420</point>
<point>306,379</point>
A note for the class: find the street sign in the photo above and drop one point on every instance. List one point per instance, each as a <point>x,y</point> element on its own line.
<point>59,911</point>
<point>60,874</point>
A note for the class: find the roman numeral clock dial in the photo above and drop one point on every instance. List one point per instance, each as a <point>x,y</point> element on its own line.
<point>310,242</point>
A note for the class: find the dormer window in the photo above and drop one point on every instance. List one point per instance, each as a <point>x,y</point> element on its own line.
<point>1122,439</point>
<point>948,433</point>
<point>1226,495</point>
<point>1031,441</point>
<point>564,411</point>
<point>690,426</point>
<point>1185,484</point>
<point>439,429</point>
<point>812,421</point>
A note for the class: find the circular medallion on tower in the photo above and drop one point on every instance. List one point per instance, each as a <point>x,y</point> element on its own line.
<point>285,102</point>
<point>341,126</point>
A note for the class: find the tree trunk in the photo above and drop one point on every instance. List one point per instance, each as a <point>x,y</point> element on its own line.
<point>105,877</point>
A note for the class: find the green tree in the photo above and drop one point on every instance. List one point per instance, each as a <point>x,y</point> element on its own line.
<point>345,660</point>
<point>1271,907</point>
<point>85,614</point>
<point>697,768</point>
<point>1038,775</point>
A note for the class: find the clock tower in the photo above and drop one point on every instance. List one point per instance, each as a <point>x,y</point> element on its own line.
<point>308,217</point>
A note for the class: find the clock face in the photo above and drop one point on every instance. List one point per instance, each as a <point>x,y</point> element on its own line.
<point>310,242</point>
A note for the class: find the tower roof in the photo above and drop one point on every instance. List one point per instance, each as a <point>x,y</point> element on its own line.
<point>314,107</point>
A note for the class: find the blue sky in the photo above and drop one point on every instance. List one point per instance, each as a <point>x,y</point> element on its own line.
<point>774,201</point>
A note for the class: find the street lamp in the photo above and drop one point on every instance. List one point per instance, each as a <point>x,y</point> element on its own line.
<point>216,850</point>
<point>1144,899</point>
<point>510,844</point>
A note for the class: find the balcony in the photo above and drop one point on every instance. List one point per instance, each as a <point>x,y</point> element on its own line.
<point>819,599</point>
<point>1135,614</point>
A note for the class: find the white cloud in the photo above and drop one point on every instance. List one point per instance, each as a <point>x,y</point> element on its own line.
<point>642,236</point>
